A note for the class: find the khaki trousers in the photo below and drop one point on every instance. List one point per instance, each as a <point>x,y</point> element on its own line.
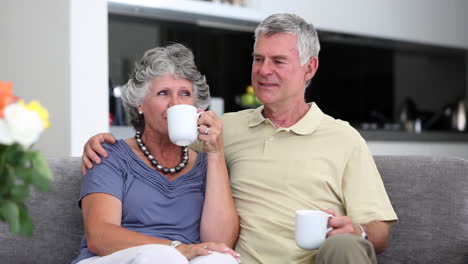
<point>346,248</point>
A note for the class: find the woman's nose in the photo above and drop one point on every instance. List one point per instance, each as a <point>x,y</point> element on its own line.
<point>175,100</point>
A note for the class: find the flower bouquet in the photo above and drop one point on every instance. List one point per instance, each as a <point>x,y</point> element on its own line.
<point>20,166</point>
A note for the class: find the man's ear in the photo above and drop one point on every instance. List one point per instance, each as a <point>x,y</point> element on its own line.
<point>311,68</point>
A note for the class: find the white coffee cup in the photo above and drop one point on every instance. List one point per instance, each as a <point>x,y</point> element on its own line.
<point>182,123</point>
<point>311,228</point>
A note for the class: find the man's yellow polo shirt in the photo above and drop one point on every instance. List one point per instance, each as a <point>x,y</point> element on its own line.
<point>318,163</point>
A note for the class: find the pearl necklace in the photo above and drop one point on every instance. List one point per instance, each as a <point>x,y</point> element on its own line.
<point>154,162</point>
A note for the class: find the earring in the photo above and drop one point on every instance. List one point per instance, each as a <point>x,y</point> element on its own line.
<point>140,112</point>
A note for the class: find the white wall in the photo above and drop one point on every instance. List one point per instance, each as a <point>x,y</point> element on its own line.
<point>89,71</point>
<point>427,21</point>
<point>55,51</point>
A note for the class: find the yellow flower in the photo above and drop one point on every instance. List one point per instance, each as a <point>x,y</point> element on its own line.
<point>35,106</point>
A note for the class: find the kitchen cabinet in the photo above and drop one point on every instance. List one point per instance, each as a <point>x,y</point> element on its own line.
<point>360,79</point>
<point>363,79</point>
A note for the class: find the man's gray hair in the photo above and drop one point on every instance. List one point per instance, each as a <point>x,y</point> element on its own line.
<point>174,59</point>
<point>307,39</point>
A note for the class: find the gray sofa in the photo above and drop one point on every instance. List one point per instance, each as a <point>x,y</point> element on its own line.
<point>429,194</point>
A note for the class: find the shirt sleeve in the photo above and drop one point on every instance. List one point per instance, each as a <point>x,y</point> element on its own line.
<point>107,177</point>
<point>365,198</point>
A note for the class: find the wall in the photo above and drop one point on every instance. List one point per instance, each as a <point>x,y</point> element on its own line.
<point>426,21</point>
<point>56,51</point>
<point>34,55</point>
<point>89,71</point>
<point>122,51</point>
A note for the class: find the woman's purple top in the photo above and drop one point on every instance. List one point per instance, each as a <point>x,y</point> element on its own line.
<point>151,204</point>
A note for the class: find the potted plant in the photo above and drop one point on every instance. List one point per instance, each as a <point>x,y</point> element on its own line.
<point>20,166</point>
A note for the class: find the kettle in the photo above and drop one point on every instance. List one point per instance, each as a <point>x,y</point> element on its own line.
<point>459,116</point>
<point>408,116</point>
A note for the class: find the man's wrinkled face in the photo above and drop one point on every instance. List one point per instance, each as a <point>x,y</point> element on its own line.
<point>277,74</point>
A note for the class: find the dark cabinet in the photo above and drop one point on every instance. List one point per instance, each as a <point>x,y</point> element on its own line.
<point>360,79</point>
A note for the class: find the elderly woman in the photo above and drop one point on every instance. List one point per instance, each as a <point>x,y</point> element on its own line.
<point>135,212</point>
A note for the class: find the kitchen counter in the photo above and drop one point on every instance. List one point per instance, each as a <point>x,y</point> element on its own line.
<point>368,135</point>
<point>425,136</point>
<point>381,142</point>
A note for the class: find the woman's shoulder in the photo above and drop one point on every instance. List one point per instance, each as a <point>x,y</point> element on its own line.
<point>119,147</point>
<point>119,153</point>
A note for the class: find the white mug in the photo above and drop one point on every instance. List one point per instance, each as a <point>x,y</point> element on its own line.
<point>182,123</point>
<point>311,228</point>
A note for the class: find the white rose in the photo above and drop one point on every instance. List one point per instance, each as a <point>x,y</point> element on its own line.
<point>24,125</point>
<point>5,134</point>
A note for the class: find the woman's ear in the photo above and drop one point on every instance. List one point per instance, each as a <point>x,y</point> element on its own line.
<point>139,109</point>
<point>311,68</point>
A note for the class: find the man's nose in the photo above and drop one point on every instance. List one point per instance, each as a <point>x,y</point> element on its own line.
<point>265,68</point>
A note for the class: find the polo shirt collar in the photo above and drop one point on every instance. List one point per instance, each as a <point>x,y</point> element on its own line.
<point>306,125</point>
<point>310,122</point>
<point>256,117</point>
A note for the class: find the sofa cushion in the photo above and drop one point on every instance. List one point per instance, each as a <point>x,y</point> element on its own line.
<point>429,194</point>
<point>430,197</point>
<point>56,217</point>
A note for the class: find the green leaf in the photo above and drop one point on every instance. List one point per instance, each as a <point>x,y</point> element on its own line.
<point>19,192</point>
<point>7,181</point>
<point>26,225</point>
<point>42,175</point>
<point>2,162</point>
<point>19,168</point>
<point>24,174</point>
<point>10,212</point>
<point>15,155</point>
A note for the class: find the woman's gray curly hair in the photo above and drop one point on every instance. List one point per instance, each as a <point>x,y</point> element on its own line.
<point>174,59</point>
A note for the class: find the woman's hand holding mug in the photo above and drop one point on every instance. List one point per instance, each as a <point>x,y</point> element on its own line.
<point>185,125</point>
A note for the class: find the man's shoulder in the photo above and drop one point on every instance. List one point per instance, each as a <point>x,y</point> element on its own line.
<point>339,129</point>
<point>236,125</point>
<point>238,114</point>
<point>236,118</point>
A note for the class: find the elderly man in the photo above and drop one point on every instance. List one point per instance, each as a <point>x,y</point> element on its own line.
<point>288,155</point>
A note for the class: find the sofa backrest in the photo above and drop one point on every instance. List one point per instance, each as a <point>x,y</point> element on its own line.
<point>429,194</point>
<point>430,197</point>
<point>56,217</point>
